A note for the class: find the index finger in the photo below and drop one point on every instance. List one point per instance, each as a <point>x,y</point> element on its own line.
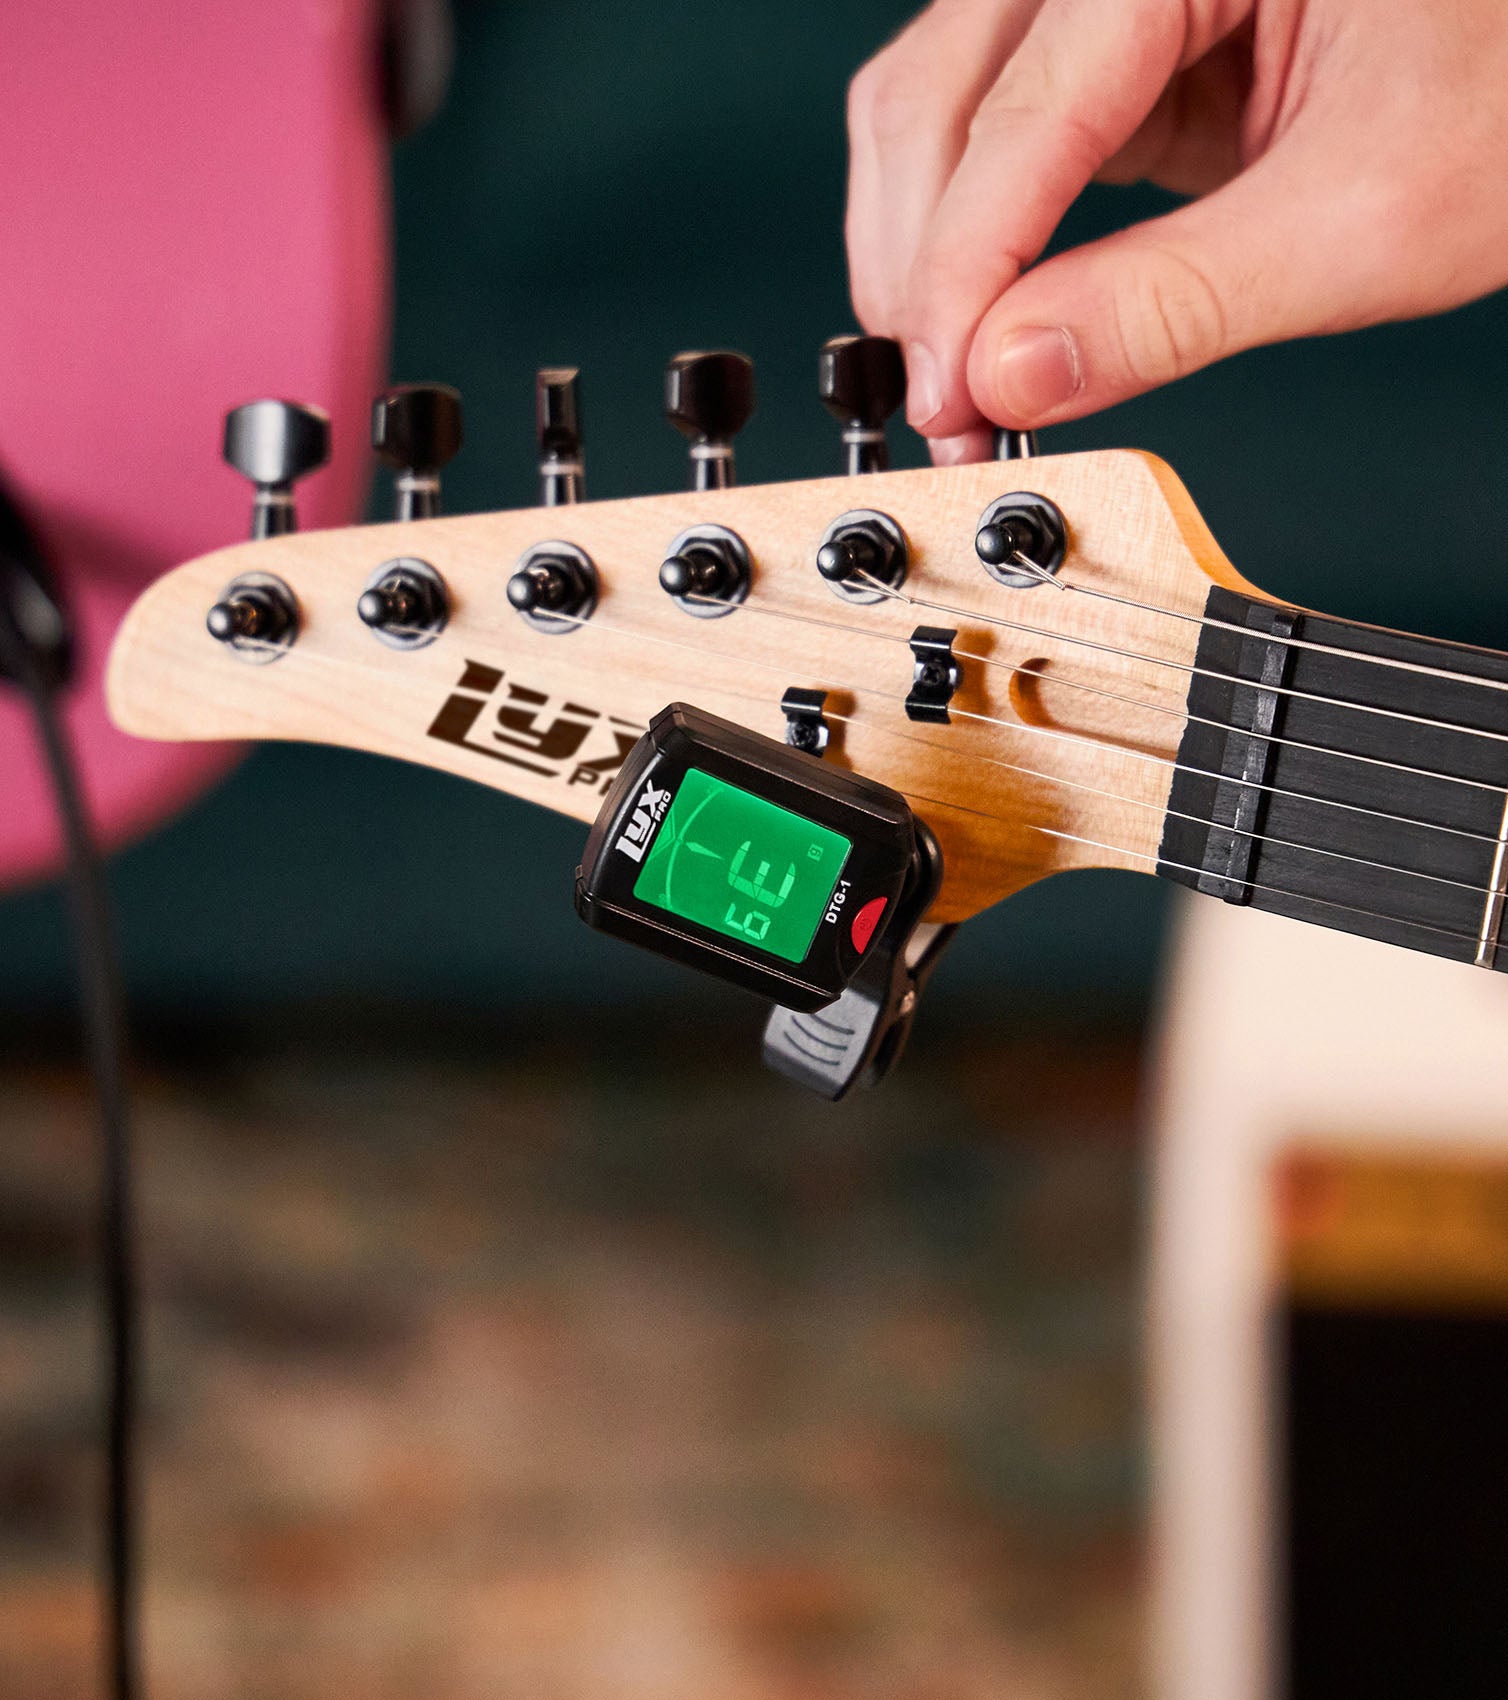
<point>1083,80</point>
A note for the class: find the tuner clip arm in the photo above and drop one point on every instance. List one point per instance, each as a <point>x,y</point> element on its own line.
<point>857,1039</point>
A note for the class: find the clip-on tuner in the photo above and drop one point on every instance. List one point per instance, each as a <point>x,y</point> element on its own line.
<point>758,862</point>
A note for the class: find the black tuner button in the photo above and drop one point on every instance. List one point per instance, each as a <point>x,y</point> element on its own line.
<point>416,429</point>
<point>706,571</point>
<point>1021,539</point>
<point>1014,445</point>
<point>274,444</point>
<point>256,616</point>
<point>851,553</point>
<point>696,571</point>
<point>554,587</point>
<point>862,380</point>
<point>405,603</point>
<point>709,398</point>
<point>557,407</point>
<point>862,555</point>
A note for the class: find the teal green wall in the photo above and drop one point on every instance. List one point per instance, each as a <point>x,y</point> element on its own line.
<point>609,184</point>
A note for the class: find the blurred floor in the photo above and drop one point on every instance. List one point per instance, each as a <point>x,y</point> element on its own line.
<point>477,1375</point>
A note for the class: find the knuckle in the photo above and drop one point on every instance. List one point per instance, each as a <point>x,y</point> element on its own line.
<point>1070,137</point>
<point>1170,318</point>
<point>887,101</point>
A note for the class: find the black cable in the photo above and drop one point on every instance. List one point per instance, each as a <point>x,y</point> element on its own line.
<point>101,1010</point>
<point>34,655</point>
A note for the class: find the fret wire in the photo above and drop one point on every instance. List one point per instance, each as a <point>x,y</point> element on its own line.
<point>1497,891</point>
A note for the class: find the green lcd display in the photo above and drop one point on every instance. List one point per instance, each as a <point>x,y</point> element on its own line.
<point>729,860</point>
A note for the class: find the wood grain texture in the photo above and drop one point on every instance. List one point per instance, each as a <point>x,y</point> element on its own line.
<point>1062,758</point>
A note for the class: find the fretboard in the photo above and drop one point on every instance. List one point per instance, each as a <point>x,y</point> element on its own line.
<point>1345,775</point>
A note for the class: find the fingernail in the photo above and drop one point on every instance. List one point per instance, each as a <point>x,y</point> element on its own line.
<point>1036,372</point>
<point>923,385</point>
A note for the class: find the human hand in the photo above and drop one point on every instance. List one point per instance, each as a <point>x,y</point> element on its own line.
<point>1349,162</point>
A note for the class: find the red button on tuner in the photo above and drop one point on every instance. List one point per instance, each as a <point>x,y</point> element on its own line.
<point>865,922</point>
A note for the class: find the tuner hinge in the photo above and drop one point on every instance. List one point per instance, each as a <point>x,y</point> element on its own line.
<point>857,1039</point>
<point>936,674</point>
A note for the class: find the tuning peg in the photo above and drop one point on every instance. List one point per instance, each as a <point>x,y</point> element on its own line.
<point>275,443</point>
<point>708,398</point>
<point>862,380</point>
<point>1014,445</point>
<point>416,429</point>
<point>557,408</point>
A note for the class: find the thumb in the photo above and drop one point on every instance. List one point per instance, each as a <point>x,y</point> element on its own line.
<point>1283,250</point>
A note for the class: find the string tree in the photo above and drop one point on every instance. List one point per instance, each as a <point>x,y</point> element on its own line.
<point>936,674</point>
<point>274,444</point>
<point>806,726</point>
<point>861,381</point>
<point>417,430</point>
<point>709,398</point>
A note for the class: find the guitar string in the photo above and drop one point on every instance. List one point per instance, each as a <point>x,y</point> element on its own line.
<point>1214,622</point>
<point>1114,797</point>
<point>1115,696</point>
<point>1056,779</point>
<point>1156,808</point>
<point>1192,669</point>
<point>1027,564</point>
<point>1188,868</point>
<point>1052,733</point>
<point>596,624</point>
<point>1142,755</point>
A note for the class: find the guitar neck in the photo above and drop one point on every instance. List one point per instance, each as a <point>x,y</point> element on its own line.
<point>1345,775</point>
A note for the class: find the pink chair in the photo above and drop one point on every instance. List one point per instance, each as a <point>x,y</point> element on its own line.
<point>194,201</point>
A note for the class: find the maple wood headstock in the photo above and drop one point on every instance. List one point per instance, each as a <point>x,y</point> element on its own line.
<point>1060,738</point>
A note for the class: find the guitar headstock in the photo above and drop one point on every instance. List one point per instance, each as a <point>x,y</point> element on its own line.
<point>1054,751</point>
